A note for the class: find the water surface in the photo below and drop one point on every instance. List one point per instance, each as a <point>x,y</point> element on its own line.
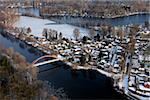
<point>77,84</point>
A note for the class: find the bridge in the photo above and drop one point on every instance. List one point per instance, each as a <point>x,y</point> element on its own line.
<point>56,58</point>
<point>60,58</point>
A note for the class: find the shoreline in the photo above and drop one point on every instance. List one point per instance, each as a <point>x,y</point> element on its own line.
<point>100,17</point>
<point>90,26</point>
<point>114,77</point>
<point>126,15</point>
<point>35,43</point>
<point>105,73</point>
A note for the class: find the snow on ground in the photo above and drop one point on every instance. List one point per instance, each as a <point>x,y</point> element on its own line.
<point>125,84</point>
<point>139,97</point>
<point>37,25</point>
<point>103,72</point>
<point>135,62</point>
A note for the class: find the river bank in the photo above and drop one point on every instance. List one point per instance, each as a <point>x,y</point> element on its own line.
<point>117,83</point>
<point>67,29</point>
<point>19,79</point>
<point>46,47</point>
<point>101,17</point>
<point>88,22</point>
<point>128,14</point>
<point>101,68</point>
<point>37,29</point>
<point>31,40</point>
<point>63,75</point>
<point>36,11</point>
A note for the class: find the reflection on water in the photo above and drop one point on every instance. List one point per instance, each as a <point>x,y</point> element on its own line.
<point>76,83</point>
<point>87,84</point>
<point>33,11</point>
<point>135,19</point>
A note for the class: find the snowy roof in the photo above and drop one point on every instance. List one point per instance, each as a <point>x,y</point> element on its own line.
<point>116,65</point>
<point>103,61</point>
<point>144,88</point>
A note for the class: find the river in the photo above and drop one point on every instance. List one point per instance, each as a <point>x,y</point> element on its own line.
<point>134,19</point>
<point>84,22</point>
<point>37,25</point>
<point>66,25</point>
<point>76,84</point>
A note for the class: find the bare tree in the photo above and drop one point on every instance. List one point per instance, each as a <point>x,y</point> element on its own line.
<point>104,30</point>
<point>120,33</point>
<point>134,29</point>
<point>28,30</point>
<point>147,24</point>
<point>113,31</point>
<point>45,33</point>
<point>76,33</point>
<point>92,33</point>
<point>132,44</point>
<point>60,36</point>
<point>122,64</point>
